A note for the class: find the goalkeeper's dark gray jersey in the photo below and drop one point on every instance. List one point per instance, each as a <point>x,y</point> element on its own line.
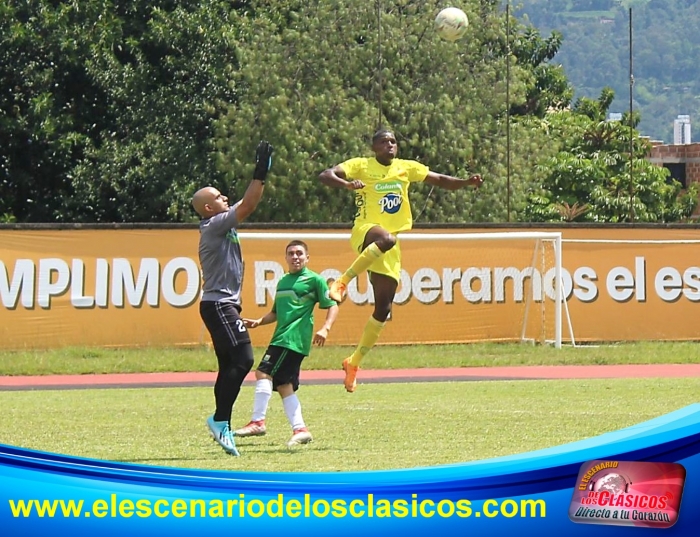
<point>220,258</point>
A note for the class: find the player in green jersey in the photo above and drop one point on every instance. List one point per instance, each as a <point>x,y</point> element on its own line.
<point>297,294</point>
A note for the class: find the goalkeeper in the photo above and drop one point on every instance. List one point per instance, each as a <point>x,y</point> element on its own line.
<point>220,306</point>
<point>382,211</point>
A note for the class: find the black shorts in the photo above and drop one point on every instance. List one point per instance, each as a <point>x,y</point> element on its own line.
<point>224,323</point>
<point>282,365</point>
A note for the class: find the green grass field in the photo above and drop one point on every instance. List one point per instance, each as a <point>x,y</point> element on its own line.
<point>381,426</point>
<point>142,360</point>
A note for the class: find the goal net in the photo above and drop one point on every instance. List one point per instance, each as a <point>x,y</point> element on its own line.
<point>454,287</point>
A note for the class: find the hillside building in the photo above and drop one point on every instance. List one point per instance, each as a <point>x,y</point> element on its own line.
<point>681,130</point>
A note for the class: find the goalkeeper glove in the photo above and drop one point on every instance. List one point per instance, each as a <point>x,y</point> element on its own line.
<point>263,160</point>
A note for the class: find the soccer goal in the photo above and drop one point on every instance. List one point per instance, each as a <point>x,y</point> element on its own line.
<point>454,287</point>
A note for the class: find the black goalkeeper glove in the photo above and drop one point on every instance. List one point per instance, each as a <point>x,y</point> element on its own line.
<point>263,160</point>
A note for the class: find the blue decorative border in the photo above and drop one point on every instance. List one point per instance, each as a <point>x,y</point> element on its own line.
<point>548,475</point>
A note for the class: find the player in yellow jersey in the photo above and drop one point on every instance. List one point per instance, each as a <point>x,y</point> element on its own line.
<point>383,210</point>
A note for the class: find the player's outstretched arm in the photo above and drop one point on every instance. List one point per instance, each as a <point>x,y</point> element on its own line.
<point>268,318</point>
<point>335,177</point>
<point>452,183</point>
<point>253,194</point>
<point>321,336</point>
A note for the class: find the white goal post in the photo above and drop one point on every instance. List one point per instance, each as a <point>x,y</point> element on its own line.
<point>499,272</point>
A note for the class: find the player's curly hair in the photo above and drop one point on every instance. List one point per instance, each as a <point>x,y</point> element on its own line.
<point>381,132</point>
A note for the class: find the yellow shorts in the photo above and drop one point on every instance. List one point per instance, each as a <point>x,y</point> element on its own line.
<point>390,262</point>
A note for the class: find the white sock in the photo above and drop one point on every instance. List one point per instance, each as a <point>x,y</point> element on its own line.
<point>292,407</point>
<point>263,392</point>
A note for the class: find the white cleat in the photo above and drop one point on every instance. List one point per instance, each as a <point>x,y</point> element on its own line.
<point>300,436</point>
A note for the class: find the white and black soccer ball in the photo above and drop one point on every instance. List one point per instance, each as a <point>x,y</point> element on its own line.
<point>451,23</point>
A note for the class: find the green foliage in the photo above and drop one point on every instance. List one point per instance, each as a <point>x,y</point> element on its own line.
<point>595,53</point>
<point>97,360</point>
<point>109,110</point>
<point>164,70</point>
<point>42,105</point>
<point>548,88</point>
<point>318,78</point>
<point>119,112</point>
<point>292,93</point>
<point>627,4</point>
<point>596,170</point>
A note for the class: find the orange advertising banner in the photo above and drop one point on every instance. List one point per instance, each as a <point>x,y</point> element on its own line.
<point>138,287</point>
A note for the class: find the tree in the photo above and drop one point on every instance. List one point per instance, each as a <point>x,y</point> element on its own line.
<point>46,108</point>
<point>547,86</point>
<point>118,112</point>
<point>107,109</point>
<point>595,53</point>
<point>594,169</point>
<point>318,77</point>
<point>165,68</point>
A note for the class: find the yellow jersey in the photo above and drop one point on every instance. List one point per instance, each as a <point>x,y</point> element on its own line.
<point>384,199</point>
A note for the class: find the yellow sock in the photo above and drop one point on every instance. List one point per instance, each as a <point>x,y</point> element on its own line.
<point>369,337</point>
<point>363,261</point>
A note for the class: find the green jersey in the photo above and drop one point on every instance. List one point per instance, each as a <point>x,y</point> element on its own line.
<point>296,296</point>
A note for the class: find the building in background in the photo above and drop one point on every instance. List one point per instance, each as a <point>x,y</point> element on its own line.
<point>681,130</point>
<point>682,160</point>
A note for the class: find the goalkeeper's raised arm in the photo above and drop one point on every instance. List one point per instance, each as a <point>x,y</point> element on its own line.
<point>254,192</point>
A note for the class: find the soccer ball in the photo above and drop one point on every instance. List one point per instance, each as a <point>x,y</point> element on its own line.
<point>451,23</point>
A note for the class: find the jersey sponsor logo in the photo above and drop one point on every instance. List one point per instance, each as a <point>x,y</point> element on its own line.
<point>386,187</point>
<point>391,203</point>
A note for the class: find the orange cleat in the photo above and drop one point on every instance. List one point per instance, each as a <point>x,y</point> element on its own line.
<point>350,375</point>
<point>337,291</point>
